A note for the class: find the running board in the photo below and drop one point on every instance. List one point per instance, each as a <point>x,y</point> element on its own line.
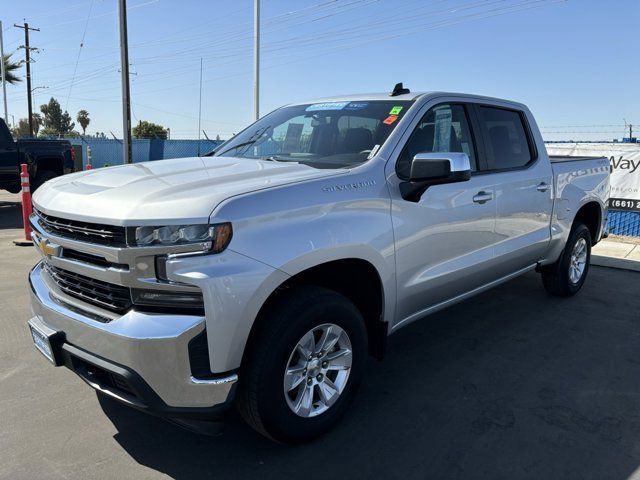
<point>460,298</point>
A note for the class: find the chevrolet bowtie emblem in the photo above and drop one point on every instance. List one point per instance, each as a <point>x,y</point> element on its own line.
<point>47,248</point>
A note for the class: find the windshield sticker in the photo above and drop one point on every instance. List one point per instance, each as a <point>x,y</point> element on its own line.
<point>390,119</point>
<point>395,110</point>
<point>357,105</point>
<point>317,107</point>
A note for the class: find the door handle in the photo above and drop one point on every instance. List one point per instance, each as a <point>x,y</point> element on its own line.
<point>543,187</point>
<point>482,197</point>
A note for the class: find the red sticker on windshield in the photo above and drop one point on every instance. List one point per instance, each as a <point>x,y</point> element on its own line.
<point>390,119</point>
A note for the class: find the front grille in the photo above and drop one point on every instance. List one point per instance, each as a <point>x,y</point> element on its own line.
<point>113,236</point>
<point>109,296</point>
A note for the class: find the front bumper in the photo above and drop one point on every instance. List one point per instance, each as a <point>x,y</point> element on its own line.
<point>140,359</point>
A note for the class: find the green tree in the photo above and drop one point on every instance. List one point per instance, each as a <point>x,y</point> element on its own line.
<point>10,69</point>
<point>55,121</point>
<point>146,129</point>
<point>82,117</point>
<point>37,123</point>
<point>22,129</point>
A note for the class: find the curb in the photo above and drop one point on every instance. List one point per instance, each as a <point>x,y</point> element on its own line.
<point>613,262</point>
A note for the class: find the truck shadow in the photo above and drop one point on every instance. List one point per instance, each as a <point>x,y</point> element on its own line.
<point>10,214</point>
<point>511,384</point>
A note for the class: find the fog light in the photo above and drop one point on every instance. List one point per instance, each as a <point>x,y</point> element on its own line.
<point>161,298</point>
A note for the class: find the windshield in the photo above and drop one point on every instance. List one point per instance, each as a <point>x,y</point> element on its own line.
<point>322,135</point>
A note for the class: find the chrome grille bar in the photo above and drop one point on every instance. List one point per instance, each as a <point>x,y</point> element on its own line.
<point>115,298</point>
<point>90,232</point>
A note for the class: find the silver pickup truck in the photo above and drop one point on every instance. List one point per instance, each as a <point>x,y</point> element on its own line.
<point>264,274</point>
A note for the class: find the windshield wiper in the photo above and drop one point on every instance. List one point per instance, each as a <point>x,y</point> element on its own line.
<point>274,158</point>
<point>253,139</point>
<point>243,144</point>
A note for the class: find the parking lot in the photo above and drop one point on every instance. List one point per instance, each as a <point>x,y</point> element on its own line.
<point>511,384</point>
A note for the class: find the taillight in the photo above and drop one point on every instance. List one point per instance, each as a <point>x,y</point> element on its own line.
<point>73,154</point>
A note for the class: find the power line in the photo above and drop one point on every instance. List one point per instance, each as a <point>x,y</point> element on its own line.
<point>366,40</point>
<point>75,69</point>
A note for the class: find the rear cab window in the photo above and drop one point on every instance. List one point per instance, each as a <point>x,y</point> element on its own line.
<point>506,138</point>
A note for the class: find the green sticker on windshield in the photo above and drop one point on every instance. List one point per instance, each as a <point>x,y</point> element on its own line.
<point>395,110</point>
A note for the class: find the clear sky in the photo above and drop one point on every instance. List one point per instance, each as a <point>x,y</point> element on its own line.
<point>574,62</point>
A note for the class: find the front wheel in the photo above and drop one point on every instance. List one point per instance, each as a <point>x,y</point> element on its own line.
<point>304,365</point>
<point>566,276</point>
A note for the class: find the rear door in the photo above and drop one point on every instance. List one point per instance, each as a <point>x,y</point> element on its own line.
<point>523,181</point>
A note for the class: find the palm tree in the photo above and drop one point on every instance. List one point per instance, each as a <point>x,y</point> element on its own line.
<point>9,69</point>
<point>83,119</point>
<point>37,123</point>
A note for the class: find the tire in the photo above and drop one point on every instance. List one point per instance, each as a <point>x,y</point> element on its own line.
<point>559,279</point>
<point>42,177</point>
<point>263,400</point>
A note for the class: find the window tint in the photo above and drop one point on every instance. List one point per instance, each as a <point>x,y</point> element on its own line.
<point>443,128</point>
<point>507,137</point>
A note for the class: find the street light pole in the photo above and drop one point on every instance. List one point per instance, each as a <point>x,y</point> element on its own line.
<point>126,93</point>
<point>200,107</point>
<point>256,59</point>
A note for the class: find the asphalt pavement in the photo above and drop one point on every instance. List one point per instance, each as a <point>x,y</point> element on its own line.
<point>511,384</point>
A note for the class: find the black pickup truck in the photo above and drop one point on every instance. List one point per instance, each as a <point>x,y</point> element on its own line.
<point>46,159</point>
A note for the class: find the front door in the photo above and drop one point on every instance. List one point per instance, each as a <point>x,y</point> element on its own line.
<point>445,241</point>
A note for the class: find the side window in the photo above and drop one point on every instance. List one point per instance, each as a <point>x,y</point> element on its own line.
<point>444,128</point>
<point>507,137</point>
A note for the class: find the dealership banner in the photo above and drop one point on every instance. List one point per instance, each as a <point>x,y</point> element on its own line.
<point>625,164</point>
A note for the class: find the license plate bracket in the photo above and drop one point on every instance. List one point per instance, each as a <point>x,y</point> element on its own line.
<point>47,341</point>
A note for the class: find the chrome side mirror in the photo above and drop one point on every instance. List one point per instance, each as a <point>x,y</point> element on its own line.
<point>429,169</point>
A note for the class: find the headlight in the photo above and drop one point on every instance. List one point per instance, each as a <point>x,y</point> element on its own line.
<point>214,238</point>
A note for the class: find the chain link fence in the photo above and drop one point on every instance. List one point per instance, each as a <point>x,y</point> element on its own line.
<point>108,151</point>
<point>624,223</point>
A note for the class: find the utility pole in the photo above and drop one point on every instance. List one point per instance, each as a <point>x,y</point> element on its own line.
<point>256,59</point>
<point>630,129</point>
<point>3,74</point>
<point>27,50</point>
<point>200,107</point>
<point>126,93</point>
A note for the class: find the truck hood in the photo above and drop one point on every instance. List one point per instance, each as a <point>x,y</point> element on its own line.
<point>181,190</point>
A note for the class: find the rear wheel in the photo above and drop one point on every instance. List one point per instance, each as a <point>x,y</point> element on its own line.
<point>304,365</point>
<point>567,275</point>
<point>42,177</point>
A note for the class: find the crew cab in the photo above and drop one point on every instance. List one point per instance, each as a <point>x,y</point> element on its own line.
<point>263,274</point>
<point>45,159</point>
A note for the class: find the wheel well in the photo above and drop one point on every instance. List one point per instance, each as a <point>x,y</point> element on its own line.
<point>590,215</point>
<point>357,280</point>
<point>50,163</point>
